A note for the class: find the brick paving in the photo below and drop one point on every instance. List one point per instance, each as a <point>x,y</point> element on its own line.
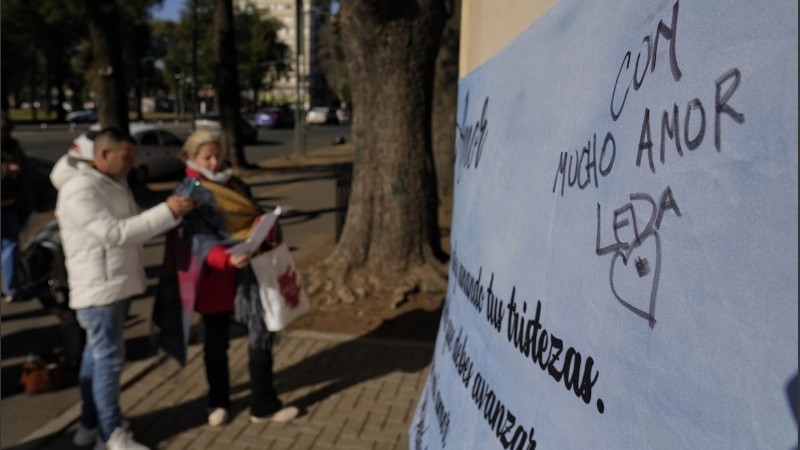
<point>354,392</point>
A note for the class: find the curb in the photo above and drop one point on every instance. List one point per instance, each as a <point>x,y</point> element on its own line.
<point>341,337</point>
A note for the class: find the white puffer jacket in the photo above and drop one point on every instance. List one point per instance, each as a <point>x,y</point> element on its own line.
<point>102,233</point>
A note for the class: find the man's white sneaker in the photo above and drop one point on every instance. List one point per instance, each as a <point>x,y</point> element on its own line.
<point>122,439</point>
<point>84,436</point>
<point>281,416</point>
<point>218,416</point>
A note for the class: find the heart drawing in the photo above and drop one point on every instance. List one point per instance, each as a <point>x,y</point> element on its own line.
<point>635,281</point>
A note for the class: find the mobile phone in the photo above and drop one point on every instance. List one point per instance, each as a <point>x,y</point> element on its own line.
<point>193,183</point>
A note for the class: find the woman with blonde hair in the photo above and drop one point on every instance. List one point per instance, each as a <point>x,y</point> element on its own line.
<point>218,285</point>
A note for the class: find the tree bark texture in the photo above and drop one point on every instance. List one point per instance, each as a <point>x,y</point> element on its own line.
<point>392,222</point>
<point>111,85</point>
<point>445,99</point>
<point>228,82</point>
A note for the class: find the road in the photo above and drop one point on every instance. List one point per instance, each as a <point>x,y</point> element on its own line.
<point>48,143</point>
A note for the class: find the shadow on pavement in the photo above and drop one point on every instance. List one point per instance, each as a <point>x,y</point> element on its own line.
<point>37,313</point>
<point>337,368</point>
<point>38,341</point>
<point>355,361</point>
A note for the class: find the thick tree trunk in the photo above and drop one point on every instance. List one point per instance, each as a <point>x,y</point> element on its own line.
<point>391,229</point>
<point>228,82</point>
<point>107,50</point>
<point>445,98</point>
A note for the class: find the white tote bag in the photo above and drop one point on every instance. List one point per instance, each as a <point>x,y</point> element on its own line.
<point>280,287</point>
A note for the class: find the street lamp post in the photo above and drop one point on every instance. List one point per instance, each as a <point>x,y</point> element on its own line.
<point>299,119</point>
<point>180,98</point>
<point>194,61</point>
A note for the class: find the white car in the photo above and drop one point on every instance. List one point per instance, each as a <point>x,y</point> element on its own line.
<point>321,115</point>
<point>82,116</point>
<point>343,116</point>
<point>158,150</point>
<point>210,121</point>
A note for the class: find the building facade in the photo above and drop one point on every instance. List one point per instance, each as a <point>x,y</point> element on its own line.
<point>305,25</point>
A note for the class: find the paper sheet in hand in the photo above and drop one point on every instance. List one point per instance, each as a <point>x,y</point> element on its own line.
<point>258,234</point>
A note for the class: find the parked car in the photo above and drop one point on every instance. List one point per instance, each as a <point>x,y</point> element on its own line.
<point>158,152</point>
<point>274,117</point>
<point>343,116</point>
<point>83,116</point>
<point>321,115</point>
<point>263,118</point>
<point>211,121</point>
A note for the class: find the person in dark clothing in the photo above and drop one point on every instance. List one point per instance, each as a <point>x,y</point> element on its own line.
<point>16,207</point>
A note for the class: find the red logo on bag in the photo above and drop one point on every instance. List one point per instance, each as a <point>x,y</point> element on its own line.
<point>289,288</point>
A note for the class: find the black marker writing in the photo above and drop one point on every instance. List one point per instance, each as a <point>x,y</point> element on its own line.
<point>571,170</point>
<point>694,123</point>
<point>668,33</point>
<point>721,103</point>
<point>623,249</point>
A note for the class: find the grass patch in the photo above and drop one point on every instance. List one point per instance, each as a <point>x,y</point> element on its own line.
<point>26,115</point>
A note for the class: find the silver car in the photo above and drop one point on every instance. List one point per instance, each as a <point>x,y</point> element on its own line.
<point>82,116</point>
<point>158,151</point>
<point>210,121</point>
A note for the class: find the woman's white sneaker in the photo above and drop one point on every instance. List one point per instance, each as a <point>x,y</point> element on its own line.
<point>281,416</point>
<point>219,416</point>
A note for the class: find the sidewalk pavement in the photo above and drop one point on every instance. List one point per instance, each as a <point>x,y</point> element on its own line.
<point>354,392</point>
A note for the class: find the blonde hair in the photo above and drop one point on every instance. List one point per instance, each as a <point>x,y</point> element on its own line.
<point>195,141</point>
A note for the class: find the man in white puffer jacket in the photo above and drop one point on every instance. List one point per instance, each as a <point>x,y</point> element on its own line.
<point>102,232</point>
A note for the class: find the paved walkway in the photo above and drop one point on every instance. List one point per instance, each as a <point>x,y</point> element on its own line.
<point>353,393</point>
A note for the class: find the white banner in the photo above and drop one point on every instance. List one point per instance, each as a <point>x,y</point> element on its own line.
<point>624,241</point>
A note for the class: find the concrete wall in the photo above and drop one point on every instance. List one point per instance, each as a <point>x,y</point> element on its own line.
<point>488,25</point>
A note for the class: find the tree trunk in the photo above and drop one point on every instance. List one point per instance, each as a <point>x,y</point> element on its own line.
<point>137,97</point>
<point>445,98</point>
<point>62,97</point>
<point>391,229</point>
<point>176,105</point>
<point>256,102</point>
<point>228,83</point>
<point>107,50</point>
<point>4,94</point>
<point>34,114</point>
